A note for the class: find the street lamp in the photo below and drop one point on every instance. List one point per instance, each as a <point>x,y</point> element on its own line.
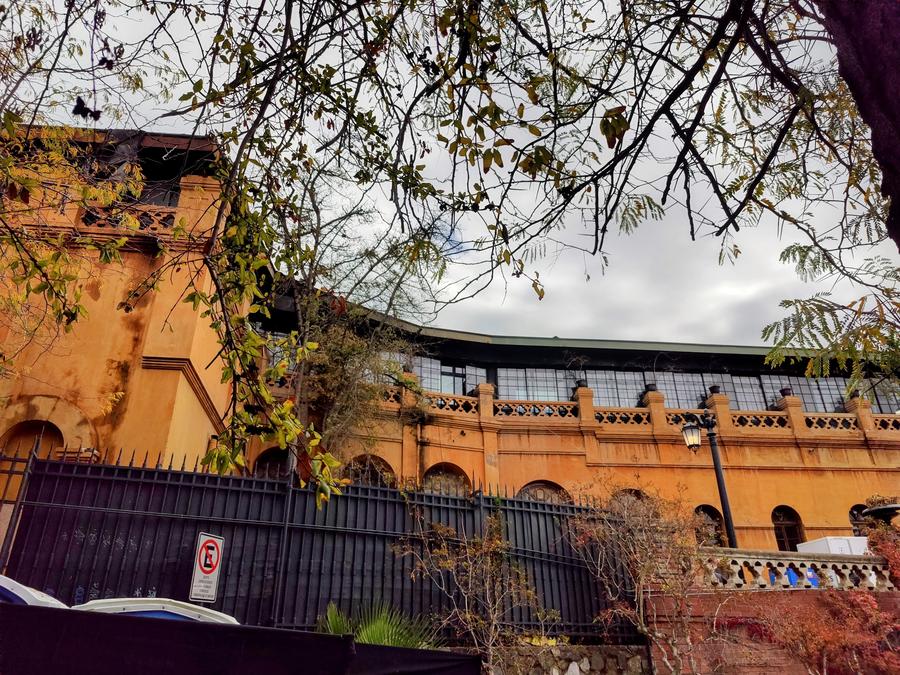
<point>692,438</point>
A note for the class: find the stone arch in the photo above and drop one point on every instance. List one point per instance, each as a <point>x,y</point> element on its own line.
<point>446,478</point>
<point>627,495</point>
<point>788,528</point>
<point>271,463</point>
<point>370,470</point>
<point>544,491</point>
<point>20,438</point>
<point>73,424</point>
<point>710,528</point>
<point>857,519</point>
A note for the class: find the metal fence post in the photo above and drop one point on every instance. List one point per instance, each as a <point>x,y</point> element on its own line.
<point>288,505</point>
<point>13,525</point>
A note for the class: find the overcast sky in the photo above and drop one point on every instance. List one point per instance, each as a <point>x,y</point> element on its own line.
<point>659,286</point>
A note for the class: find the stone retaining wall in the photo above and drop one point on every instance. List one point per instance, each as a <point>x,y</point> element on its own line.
<point>574,660</point>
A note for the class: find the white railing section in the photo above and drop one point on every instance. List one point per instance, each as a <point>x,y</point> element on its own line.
<point>778,570</point>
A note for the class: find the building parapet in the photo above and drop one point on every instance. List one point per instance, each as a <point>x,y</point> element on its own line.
<point>739,569</point>
<point>790,423</point>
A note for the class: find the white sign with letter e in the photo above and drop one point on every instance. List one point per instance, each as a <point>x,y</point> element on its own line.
<point>207,564</point>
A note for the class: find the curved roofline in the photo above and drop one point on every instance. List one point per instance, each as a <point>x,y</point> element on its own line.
<point>573,343</point>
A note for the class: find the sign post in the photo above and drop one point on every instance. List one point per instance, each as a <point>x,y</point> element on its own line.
<point>207,564</point>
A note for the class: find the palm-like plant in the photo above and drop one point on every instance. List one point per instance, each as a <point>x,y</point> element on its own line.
<point>379,624</point>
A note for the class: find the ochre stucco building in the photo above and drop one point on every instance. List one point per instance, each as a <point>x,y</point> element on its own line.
<point>125,382</point>
<point>544,417</point>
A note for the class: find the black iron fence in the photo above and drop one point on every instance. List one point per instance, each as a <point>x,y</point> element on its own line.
<point>86,531</point>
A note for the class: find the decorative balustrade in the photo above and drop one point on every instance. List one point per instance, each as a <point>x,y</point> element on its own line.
<point>555,409</point>
<point>677,418</point>
<point>152,220</point>
<point>464,405</point>
<point>832,421</point>
<point>392,395</point>
<point>744,422</point>
<point>762,421</point>
<point>623,416</point>
<point>887,422</point>
<point>744,569</point>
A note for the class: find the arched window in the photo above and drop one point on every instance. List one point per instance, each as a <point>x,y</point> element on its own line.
<point>446,478</point>
<point>271,463</point>
<point>22,437</point>
<point>544,491</point>
<point>370,470</point>
<point>627,496</point>
<point>858,520</point>
<point>710,526</point>
<point>788,528</point>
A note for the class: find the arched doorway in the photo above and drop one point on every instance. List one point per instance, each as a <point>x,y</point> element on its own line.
<point>21,437</point>
<point>858,520</point>
<point>788,528</point>
<point>370,470</point>
<point>544,491</point>
<point>272,464</point>
<point>710,526</point>
<point>448,479</point>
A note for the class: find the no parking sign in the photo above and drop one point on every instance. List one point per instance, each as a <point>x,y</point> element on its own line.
<point>207,565</point>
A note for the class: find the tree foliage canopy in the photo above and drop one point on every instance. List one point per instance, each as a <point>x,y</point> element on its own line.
<point>484,133</point>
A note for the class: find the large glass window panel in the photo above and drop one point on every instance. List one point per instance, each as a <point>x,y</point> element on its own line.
<point>723,380</point>
<point>511,383</point>
<point>771,385</point>
<point>808,390</point>
<point>603,384</point>
<point>541,384</point>
<point>748,393</point>
<point>630,386</point>
<point>565,383</point>
<point>682,390</point>
<point>886,398</point>
<point>429,373</point>
<point>832,391</point>
<point>474,377</point>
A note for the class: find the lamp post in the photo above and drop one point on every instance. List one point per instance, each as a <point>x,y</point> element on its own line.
<point>692,437</point>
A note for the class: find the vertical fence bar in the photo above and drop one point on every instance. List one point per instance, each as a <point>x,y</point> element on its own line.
<point>13,525</point>
<point>281,561</point>
<point>342,552</point>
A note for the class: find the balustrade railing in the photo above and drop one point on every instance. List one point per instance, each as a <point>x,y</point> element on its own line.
<point>392,395</point>
<point>148,219</point>
<point>464,405</point>
<point>632,417</point>
<point>832,421</point>
<point>564,410</point>
<point>887,422</point>
<point>775,422</point>
<point>762,421</point>
<point>676,418</point>
<point>778,570</point>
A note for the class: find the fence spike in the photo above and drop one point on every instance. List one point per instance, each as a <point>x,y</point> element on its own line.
<point>183,461</point>
<point>196,460</point>
<point>119,456</point>
<point>131,461</point>
<point>171,457</point>
<point>144,463</point>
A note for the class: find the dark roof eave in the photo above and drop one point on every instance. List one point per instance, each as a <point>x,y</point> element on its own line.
<point>573,343</point>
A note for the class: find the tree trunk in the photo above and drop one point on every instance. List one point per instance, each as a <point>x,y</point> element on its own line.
<point>866,35</point>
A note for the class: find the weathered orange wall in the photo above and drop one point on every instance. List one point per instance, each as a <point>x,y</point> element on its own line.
<point>157,354</point>
<point>819,473</point>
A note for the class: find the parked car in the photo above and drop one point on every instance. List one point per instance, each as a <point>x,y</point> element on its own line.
<point>12,592</point>
<point>157,608</point>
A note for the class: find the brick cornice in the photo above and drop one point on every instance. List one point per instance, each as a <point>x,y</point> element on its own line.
<point>186,368</point>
